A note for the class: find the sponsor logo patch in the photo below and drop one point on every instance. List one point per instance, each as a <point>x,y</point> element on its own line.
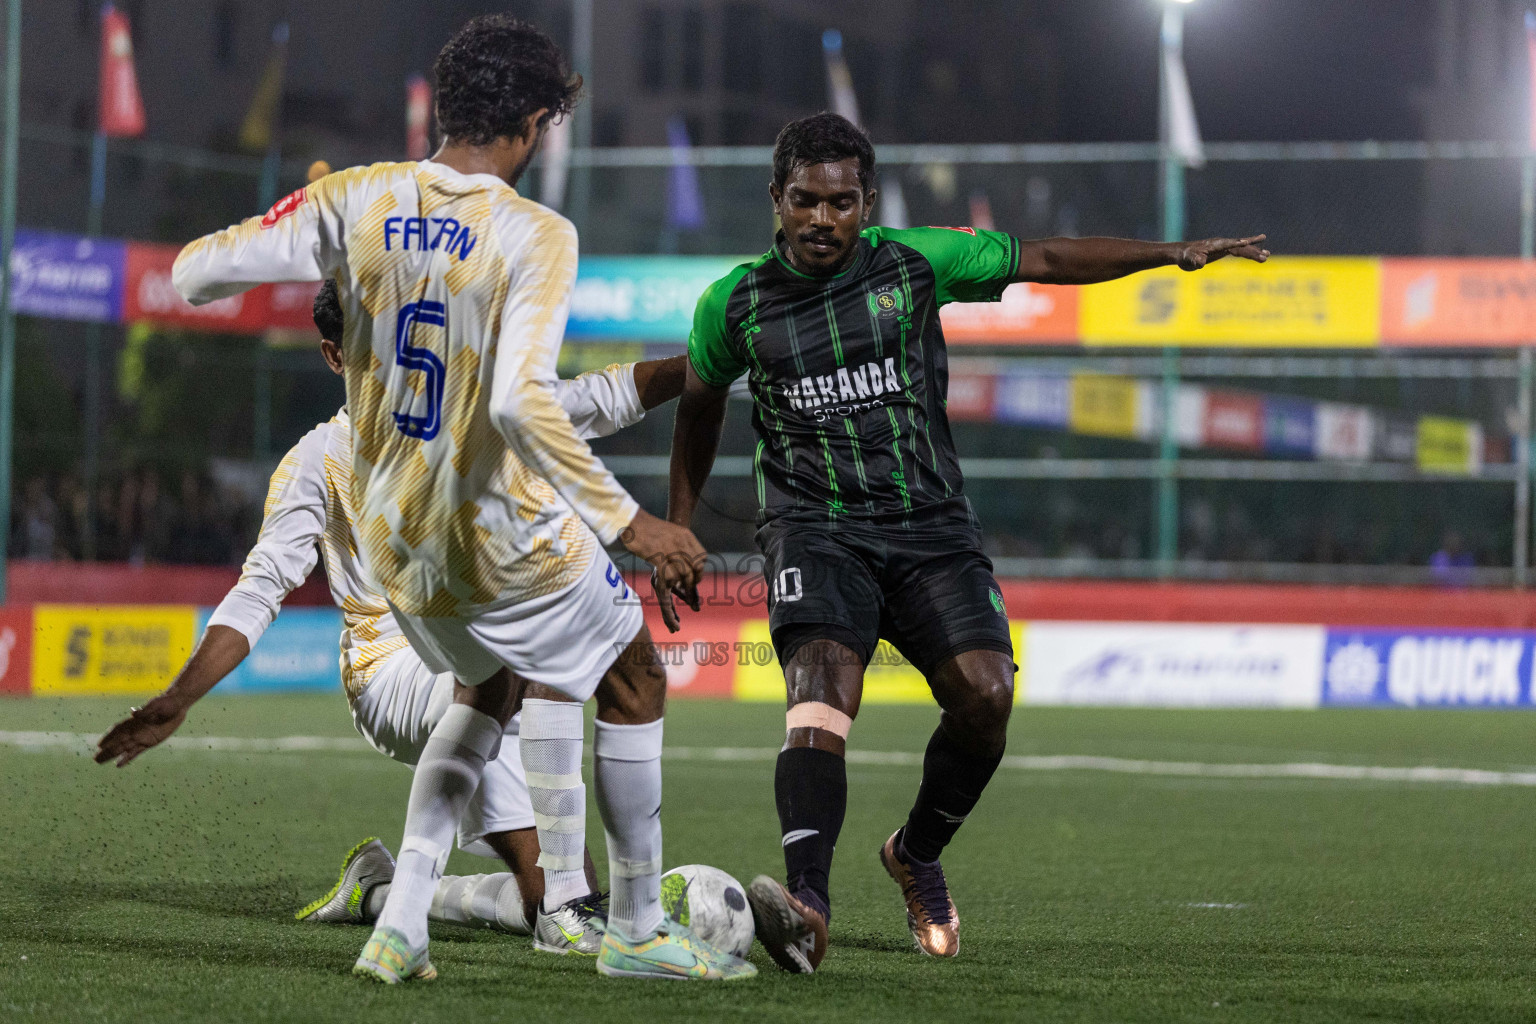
<point>284,207</point>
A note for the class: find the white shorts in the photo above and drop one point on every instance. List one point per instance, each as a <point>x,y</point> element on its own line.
<point>396,714</point>
<point>565,640</point>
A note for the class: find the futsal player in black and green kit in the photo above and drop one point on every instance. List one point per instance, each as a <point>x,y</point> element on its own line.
<point>864,524</point>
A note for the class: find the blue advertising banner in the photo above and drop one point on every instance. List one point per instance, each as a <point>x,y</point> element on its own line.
<point>1034,399</point>
<point>1288,427</point>
<point>1428,668</point>
<point>645,298</point>
<point>299,652</point>
<point>67,277</point>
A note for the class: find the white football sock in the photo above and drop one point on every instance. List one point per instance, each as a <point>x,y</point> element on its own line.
<point>627,772</point>
<point>474,901</point>
<point>549,742</point>
<point>446,777</point>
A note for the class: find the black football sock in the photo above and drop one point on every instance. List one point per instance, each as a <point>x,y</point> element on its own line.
<point>953,778</point>
<point>811,789</point>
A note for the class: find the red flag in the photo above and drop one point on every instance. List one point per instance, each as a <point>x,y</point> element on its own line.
<point>418,114</point>
<point>119,106</point>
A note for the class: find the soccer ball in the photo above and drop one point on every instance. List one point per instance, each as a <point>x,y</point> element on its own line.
<point>711,903</point>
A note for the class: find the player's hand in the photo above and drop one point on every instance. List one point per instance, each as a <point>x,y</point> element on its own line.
<point>145,727</point>
<point>1194,255</point>
<point>677,559</point>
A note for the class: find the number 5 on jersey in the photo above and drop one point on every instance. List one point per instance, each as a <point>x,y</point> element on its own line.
<point>415,357</point>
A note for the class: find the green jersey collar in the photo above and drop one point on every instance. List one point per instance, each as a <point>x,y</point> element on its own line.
<point>778,253</point>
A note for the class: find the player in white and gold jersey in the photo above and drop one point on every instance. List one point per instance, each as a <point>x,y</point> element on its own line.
<point>480,511</point>
<point>394,698</point>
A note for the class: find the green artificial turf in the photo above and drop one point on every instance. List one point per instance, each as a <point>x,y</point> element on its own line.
<point>165,891</point>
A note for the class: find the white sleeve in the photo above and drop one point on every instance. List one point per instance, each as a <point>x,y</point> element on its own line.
<point>602,402</point>
<point>289,543</point>
<point>299,239</point>
<point>525,406</point>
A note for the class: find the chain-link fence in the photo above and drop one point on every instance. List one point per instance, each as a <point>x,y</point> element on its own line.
<point>1054,501</point>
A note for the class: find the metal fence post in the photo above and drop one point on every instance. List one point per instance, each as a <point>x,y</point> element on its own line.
<point>9,167</point>
<point>1523,476</point>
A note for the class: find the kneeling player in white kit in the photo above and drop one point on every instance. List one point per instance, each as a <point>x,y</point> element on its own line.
<point>395,699</point>
<point>482,514</point>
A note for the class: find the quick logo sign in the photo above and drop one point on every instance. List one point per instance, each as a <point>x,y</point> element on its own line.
<point>1427,669</point>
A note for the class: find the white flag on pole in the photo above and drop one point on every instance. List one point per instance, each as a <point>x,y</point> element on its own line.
<point>1182,128</point>
<point>557,163</point>
<point>891,209</point>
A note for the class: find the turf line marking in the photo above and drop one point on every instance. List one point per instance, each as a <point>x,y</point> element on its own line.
<point>80,742</point>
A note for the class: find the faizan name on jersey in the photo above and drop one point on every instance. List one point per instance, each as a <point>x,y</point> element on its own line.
<point>415,232</point>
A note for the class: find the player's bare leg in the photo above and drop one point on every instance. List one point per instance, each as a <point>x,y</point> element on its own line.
<point>825,682</point>
<point>975,691</point>
<point>447,775</point>
<point>626,753</point>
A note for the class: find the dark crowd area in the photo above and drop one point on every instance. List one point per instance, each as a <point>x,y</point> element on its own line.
<point>139,517</point>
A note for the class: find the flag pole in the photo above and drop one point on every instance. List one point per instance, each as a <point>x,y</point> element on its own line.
<point>1173,230</point>
<point>9,167</point>
<point>91,470</point>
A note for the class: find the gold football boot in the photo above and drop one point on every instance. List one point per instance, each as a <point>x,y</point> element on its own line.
<point>931,914</point>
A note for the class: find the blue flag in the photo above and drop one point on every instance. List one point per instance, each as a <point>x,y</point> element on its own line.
<point>685,202</point>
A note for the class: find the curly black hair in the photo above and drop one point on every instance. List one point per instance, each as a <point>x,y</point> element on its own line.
<point>822,138</point>
<point>495,72</point>
<point>328,311</point>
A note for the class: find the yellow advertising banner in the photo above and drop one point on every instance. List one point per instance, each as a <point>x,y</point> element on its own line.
<point>1103,406</point>
<point>1290,302</point>
<point>1449,446</point>
<point>93,650</point>
<point>889,679</point>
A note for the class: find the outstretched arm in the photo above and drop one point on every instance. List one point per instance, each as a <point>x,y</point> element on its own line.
<point>695,440</point>
<point>658,381</point>
<point>220,651</point>
<point>1091,260</point>
<point>285,552</point>
<point>606,401</point>
<point>297,240</point>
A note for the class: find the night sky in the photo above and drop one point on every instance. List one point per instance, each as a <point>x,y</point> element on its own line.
<point>1259,69</point>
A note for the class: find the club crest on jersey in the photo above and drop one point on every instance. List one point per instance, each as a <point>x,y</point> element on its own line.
<point>284,207</point>
<point>886,303</point>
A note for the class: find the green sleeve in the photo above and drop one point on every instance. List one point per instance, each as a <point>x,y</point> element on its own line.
<point>969,265</point>
<point>714,356</point>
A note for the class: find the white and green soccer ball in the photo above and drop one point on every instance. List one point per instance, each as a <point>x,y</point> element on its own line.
<point>711,903</point>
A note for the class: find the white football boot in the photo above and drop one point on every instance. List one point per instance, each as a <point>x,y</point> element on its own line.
<point>575,926</point>
<point>368,864</point>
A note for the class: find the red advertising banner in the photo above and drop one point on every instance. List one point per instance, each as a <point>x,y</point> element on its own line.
<point>1234,421</point>
<point>1029,314</point>
<point>120,107</point>
<point>149,295</point>
<point>970,396</point>
<point>1458,302</point>
<point>16,650</point>
<point>291,305</point>
<point>418,117</point>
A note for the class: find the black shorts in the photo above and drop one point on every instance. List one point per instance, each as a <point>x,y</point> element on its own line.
<point>926,587</point>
